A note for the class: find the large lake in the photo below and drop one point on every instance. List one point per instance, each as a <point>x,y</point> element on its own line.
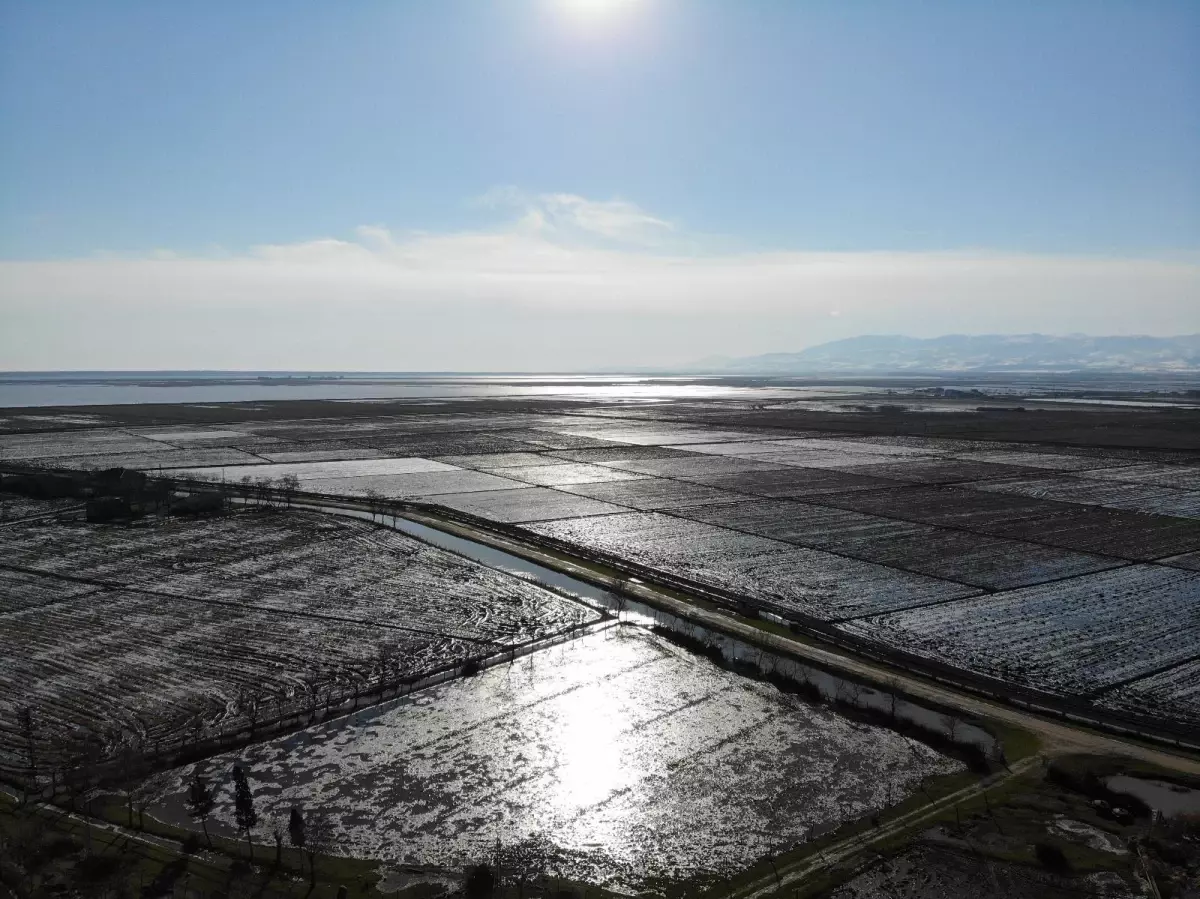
<point>117,388</point>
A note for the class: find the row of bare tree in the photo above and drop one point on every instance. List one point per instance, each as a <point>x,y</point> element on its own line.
<point>311,835</point>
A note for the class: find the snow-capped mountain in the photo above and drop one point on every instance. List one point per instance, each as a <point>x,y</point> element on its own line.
<point>982,353</point>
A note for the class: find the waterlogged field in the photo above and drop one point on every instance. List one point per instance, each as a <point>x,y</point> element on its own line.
<point>617,759</point>
<point>779,576</point>
<point>1171,693</point>
<point>1081,527</point>
<point>787,512</point>
<point>525,504</point>
<point>182,627</point>
<point>1080,636</point>
<point>967,558</point>
<point>14,508</point>
<point>1133,495</point>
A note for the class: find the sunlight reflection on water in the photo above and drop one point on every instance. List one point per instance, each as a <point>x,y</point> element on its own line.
<point>620,755</point>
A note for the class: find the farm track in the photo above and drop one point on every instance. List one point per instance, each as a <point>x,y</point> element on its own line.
<point>54,513</point>
<point>831,856</point>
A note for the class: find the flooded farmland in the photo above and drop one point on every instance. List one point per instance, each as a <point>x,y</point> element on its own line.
<point>618,759</point>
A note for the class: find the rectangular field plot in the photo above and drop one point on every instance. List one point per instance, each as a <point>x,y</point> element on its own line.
<point>658,435</point>
<point>165,668</point>
<point>692,467</point>
<point>805,524</point>
<point>790,482</point>
<point>327,594</point>
<point>829,459</point>
<point>942,471</point>
<point>401,486</point>
<point>495,461</point>
<point>620,453</point>
<point>20,590</point>
<point>1181,477</point>
<point>1050,461</point>
<point>853,447</point>
<point>14,507</point>
<point>37,419</point>
<point>525,504</point>
<point>1190,561</point>
<point>161,459</point>
<point>299,452</point>
<point>1072,637</point>
<point>747,448</point>
<point>764,572</point>
<point>144,556</point>
<point>58,444</point>
<point>649,494</point>
<point>1132,497</point>
<point>447,444</point>
<point>626,761</point>
<point>371,575</point>
<point>1173,694</point>
<point>1109,532</point>
<point>297,562</point>
<point>567,473</point>
<point>309,471</point>
<point>549,439</point>
<point>181,437</point>
<point>973,559</point>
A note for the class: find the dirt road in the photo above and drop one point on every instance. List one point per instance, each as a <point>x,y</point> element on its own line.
<point>1056,737</point>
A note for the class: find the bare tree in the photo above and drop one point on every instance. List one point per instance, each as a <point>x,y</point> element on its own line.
<point>249,706</point>
<point>146,791</point>
<point>312,685</point>
<point>200,803</point>
<point>25,716</point>
<point>246,487</point>
<point>243,806</point>
<point>374,502</point>
<point>951,724</point>
<point>83,751</point>
<point>263,486</point>
<point>289,486</point>
<point>384,660</point>
<point>277,828</point>
<point>296,832</point>
<point>318,840</point>
<point>893,686</point>
<point>131,766</point>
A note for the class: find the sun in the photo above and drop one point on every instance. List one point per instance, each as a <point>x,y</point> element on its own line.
<point>595,12</point>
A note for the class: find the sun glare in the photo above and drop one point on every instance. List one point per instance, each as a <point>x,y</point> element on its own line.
<point>595,12</point>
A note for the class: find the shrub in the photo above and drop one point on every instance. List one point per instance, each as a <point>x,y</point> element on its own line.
<point>1051,858</point>
<point>97,868</point>
<point>480,882</point>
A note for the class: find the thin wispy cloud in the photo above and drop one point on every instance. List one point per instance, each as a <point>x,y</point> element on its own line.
<point>564,282</point>
<point>570,217</point>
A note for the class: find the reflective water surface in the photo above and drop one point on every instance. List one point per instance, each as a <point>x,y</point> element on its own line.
<point>617,758</point>
<point>114,388</point>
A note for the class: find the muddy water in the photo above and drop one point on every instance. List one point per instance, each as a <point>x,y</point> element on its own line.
<point>1168,799</point>
<point>617,759</point>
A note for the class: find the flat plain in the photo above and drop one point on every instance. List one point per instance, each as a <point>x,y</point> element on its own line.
<point>945,531</point>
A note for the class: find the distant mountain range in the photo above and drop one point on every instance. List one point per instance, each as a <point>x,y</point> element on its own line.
<point>982,353</point>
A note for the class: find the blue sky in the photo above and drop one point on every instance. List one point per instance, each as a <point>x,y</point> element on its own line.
<point>725,133</point>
